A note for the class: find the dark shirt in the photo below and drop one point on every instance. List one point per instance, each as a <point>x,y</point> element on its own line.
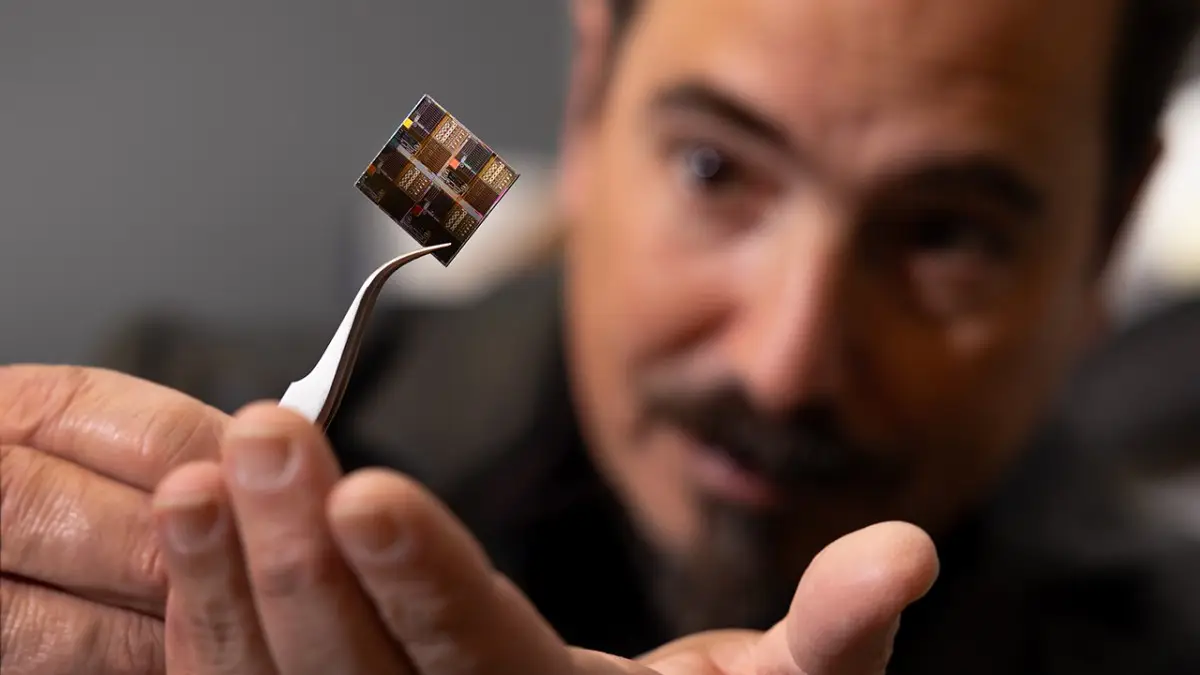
<point>1058,573</point>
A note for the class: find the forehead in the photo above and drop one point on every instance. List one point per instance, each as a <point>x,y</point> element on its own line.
<point>879,75</point>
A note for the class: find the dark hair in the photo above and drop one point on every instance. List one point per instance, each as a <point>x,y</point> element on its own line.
<point>1151,46</point>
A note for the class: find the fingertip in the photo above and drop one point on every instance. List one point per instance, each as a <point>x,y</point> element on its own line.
<point>915,554</point>
<point>371,486</point>
<point>377,514</point>
<point>190,510</point>
<point>266,447</point>
<point>268,418</point>
<point>846,609</point>
<point>905,552</point>
<point>190,484</point>
<point>893,561</point>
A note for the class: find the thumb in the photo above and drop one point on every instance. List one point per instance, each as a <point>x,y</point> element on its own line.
<point>846,611</point>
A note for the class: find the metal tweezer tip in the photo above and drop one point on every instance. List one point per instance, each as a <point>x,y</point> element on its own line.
<point>318,395</point>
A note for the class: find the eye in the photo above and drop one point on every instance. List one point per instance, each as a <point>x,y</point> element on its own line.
<point>955,262</point>
<point>706,164</point>
<point>718,184</point>
<point>954,234</point>
<point>706,168</point>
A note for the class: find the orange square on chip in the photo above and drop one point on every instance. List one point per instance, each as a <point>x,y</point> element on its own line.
<point>449,179</point>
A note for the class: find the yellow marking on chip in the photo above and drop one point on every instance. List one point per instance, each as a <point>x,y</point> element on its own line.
<point>448,179</point>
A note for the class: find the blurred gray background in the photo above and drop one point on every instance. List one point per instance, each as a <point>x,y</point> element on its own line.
<point>199,157</point>
<point>202,155</point>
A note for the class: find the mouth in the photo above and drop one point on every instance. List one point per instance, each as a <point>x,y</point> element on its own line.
<point>733,477</point>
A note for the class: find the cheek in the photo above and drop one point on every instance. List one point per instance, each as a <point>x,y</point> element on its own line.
<point>650,289</point>
<point>638,299</point>
<point>962,396</point>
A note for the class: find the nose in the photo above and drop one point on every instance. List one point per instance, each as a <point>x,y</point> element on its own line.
<point>785,334</point>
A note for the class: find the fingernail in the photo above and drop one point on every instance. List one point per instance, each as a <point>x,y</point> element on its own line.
<point>262,462</point>
<point>191,524</point>
<point>372,536</point>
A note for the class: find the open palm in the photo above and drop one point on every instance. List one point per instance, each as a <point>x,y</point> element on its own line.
<point>300,571</point>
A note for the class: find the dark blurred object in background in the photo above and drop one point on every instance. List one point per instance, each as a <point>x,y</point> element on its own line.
<point>1137,399</point>
<point>1139,395</point>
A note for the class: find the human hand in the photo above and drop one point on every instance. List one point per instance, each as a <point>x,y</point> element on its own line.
<point>82,586</point>
<point>843,619</point>
<point>279,566</point>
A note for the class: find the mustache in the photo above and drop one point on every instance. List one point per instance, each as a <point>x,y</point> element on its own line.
<point>806,447</point>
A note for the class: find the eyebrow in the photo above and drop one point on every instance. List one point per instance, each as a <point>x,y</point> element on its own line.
<point>981,176</point>
<point>697,97</point>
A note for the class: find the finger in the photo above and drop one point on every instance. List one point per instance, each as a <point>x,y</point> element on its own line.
<point>46,632</point>
<point>715,651</point>
<point>847,608</point>
<point>589,662</point>
<point>317,620</point>
<point>118,426</point>
<point>51,510</point>
<point>433,585</point>
<point>214,628</point>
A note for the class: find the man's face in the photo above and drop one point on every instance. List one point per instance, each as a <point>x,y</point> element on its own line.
<point>831,257</point>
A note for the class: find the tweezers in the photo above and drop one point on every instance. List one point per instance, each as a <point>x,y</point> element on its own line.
<point>318,395</point>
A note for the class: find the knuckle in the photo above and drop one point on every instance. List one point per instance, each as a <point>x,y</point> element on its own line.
<point>217,630</point>
<point>29,638</point>
<point>285,571</point>
<point>416,607</point>
<point>445,656</point>
<point>148,567</point>
<point>13,622</point>
<point>49,507</point>
<point>28,505</point>
<point>213,622</point>
<point>181,430</point>
<point>133,643</point>
<point>34,396</point>
<point>42,631</point>
<point>433,621</point>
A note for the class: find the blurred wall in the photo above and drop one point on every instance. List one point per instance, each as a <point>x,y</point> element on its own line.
<point>1160,260</point>
<point>201,155</point>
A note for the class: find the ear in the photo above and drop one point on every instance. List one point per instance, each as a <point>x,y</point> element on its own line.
<point>592,34</point>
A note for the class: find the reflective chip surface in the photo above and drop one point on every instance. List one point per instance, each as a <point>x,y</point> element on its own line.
<point>436,179</point>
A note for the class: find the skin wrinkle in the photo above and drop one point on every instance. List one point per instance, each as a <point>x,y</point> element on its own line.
<point>112,640</point>
<point>44,518</point>
<point>415,605</point>
<point>21,498</point>
<point>32,403</point>
<point>293,563</point>
<point>81,415</point>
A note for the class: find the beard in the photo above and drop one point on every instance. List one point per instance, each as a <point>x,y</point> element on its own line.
<point>804,451</point>
<point>734,578</point>
<point>743,571</point>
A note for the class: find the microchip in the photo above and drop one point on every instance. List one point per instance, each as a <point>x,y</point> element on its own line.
<point>436,179</point>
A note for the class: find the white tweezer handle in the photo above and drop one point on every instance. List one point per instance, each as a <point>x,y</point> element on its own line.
<point>318,395</point>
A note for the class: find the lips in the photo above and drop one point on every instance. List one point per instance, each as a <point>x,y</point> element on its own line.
<point>732,477</point>
<point>740,458</point>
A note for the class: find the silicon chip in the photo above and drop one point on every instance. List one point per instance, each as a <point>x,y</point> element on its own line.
<point>436,179</point>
